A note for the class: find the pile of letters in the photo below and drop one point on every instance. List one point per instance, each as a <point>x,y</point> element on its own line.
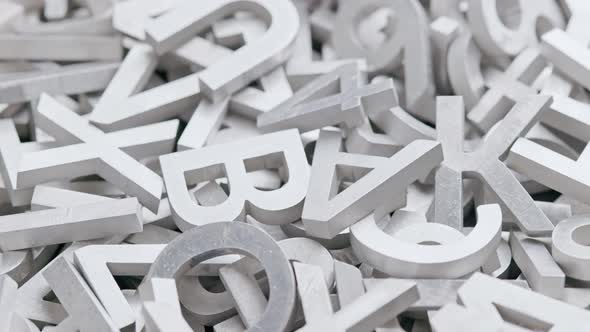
<point>294,165</point>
